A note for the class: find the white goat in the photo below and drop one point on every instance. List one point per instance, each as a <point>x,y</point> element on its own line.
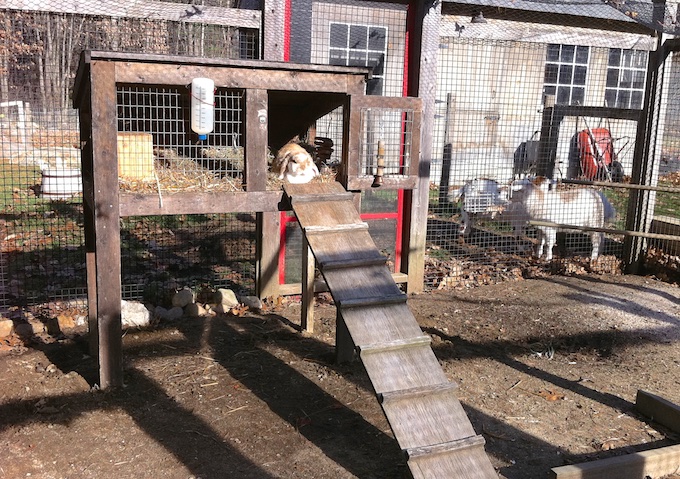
<point>487,198</point>
<point>578,207</point>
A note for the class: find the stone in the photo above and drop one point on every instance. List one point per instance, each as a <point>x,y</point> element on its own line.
<point>222,308</point>
<point>226,297</point>
<point>183,297</point>
<point>6,327</point>
<point>134,314</point>
<point>66,322</point>
<point>195,310</point>
<point>253,302</point>
<point>171,314</point>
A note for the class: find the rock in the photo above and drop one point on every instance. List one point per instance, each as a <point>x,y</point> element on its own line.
<point>253,302</point>
<point>195,310</point>
<point>183,297</point>
<point>226,297</point>
<point>6,327</point>
<point>222,308</point>
<point>66,322</point>
<point>134,315</point>
<point>24,330</point>
<point>171,314</point>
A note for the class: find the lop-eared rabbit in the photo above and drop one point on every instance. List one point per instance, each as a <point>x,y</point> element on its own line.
<point>294,164</point>
<point>578,207</point>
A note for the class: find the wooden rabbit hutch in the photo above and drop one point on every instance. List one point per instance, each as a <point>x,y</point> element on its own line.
<point>135,118</point>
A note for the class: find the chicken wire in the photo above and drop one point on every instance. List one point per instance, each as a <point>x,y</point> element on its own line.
<point>42,256</point>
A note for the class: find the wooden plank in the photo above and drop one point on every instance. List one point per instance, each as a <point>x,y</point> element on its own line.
<point>354,262</point>
<point>268,245</point>
<point>338,247</point>
<point>317,197</point>
<point>255,152</point>
<point>335,228</point>
<point>148,10</point>
<point>403,369</point>
<point>658,409</point>
<point>427,420</point>
<point>308,270</point>
<point>468,463</point>
<point>411,393</point>
<point>455,445</point>
<point>362,302</point>
<point>394,345</point>
<point>107,224</point>
<point>367,282</point>
<point>198,202</point>
<point>381,323</point>
<point>321,287</point>
<point>653,463</point>
<point>239,76</point>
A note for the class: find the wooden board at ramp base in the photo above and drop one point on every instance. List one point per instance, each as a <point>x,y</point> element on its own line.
<point>418,400</point>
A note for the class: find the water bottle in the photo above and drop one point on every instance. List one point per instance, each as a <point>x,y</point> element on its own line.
<point>202,106</point>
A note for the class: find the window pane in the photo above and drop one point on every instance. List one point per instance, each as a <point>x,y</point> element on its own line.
<point>553,53</point>
<point>610,98</point>
<point>582,55</point>
<point>377,39</point>
<point>357,37</point>
<point>549,90</point>
<point>356,59</point>
<point>614,57</point>
<point>639,59</point>
<point>551,73</point>
<point>578,96</point>
<point>639,80</point>
<point>337,57</point>
<point>377,61</point>
<point>579,75</point>
<point>338,35</point>
<point>624,99</point>
<point>626,58</point>
<point>566,72</point>
<point>636,99</point>
<point>563,95</point>
<point>567,54</point>
<point>612,77</point>
<point>374,86</point>
<point>626,79</point>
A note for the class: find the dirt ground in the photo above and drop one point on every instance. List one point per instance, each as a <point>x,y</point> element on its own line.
<point>548,371</point>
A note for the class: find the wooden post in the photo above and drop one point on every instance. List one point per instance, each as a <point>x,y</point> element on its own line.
<point>105,215</point>
<point>422,80</point>
<point>273,23</point>
<point>547,148</point>
<point>307,321</point>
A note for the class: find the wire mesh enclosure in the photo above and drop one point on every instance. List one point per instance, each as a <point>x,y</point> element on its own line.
<point>42,254</point>
<point>563,103</point>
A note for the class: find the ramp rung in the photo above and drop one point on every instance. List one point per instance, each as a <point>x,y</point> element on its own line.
<point>339,228</point>
<point>450,446</point>
<point>394,345</point>
<point>373,301</point>
<point>316,197</point>
<point>353,263</point>
<point>415,392</point>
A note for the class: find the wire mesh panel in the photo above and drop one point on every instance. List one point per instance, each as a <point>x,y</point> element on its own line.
<point>386,136</point>
<point>158,148</point>
<point>42,254</point>
<point>161,254</point>
<point>561,103</point>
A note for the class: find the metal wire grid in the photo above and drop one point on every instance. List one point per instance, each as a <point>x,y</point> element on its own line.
<point>491,98</point>
<point>158,149</point>
<point>160,254</point>
<point>41,252</point>
<point>386,136</point>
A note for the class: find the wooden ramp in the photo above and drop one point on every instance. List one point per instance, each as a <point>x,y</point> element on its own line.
<point>419,402</point>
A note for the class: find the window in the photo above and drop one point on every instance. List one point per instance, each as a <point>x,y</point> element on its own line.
<point>626,73</point>
<point>360,45</point>
<point>566,67</point>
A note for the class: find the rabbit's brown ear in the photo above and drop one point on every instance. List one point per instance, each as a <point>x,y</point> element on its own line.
<point>283,165</point>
